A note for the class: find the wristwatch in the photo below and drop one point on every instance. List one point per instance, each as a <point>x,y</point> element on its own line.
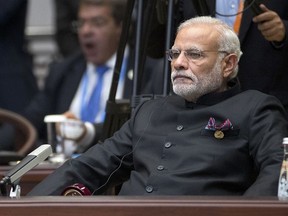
<point>76,190</point>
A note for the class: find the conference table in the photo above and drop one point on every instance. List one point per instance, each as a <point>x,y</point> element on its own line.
<point>131,205</point>
<point>142,206</point>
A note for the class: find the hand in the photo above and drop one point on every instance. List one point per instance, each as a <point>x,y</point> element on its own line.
<point>72,129</point>
<point>270,25</point>
<point>70,115</point>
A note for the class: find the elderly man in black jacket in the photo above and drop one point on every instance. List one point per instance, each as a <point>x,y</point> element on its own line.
<point>208,139</point>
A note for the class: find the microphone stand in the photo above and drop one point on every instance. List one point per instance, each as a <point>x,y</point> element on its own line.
<point>3,187</point>
<point>15,189</point>
<point>141,41</point>
<point>118,112</point>
<point>170,24</point>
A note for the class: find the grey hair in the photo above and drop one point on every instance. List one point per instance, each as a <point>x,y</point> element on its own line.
<point>228,40</point>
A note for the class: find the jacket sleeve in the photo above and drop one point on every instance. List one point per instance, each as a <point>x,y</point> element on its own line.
<point>267,129</point>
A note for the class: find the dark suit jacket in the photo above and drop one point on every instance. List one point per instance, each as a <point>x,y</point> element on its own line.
<point>17,82</point>
<point>61,86</point>
<point>166,149</point>
<point>262,67</point>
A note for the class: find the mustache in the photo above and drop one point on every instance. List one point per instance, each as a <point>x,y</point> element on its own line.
<point>178,74</point>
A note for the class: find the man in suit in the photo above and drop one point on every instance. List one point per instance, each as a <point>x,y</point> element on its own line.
<point>17,82</point>
<point>198,142</point>
<point>70,82</point>
<point>263,39</point>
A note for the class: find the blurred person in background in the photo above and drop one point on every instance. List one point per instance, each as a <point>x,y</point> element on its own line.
<point>17,82</point>
<point>72,82</point>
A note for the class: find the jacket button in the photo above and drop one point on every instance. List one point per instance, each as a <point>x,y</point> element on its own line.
<point>180,127</point>
<point>160,167</point>
<point>168,145</point>
<point>149,189</point>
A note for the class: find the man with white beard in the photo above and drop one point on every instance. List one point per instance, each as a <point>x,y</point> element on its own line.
<point>208,139</point>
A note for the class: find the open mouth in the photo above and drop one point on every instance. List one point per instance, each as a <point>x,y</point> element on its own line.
<point>89,45</point>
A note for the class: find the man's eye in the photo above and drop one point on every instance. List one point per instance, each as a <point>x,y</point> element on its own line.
<point>193,54</point>
<point>98,22</point>
<point>175,54</point>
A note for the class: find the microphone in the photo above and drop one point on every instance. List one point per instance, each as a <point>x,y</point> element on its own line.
<point>29,162</point>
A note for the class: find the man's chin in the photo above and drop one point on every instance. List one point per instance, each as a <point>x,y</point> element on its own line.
<point>94,60</point>
<point>182,85</point>
<point>91,57</point>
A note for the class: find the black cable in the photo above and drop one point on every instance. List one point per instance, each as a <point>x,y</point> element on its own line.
<point>245,9</point>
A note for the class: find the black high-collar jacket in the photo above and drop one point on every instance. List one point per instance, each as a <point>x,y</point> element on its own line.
<point>166,149</point>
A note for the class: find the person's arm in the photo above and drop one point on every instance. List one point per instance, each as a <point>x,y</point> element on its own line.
<point>272,27</point>
<point>93,135</point>
<point>267,128</point>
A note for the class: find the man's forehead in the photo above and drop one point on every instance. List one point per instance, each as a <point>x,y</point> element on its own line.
<point>200,29</point>
<point>198,35</point>
<point>90,10</point>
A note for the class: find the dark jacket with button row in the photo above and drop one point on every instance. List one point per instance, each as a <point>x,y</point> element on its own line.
<point>165,149</point>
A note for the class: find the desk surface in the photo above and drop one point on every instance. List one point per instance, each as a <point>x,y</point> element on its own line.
<point>134,206</point>
<point>143,206</point>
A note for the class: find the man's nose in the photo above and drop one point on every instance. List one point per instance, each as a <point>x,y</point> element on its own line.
<point>86,27</point>
<point>181,62</point>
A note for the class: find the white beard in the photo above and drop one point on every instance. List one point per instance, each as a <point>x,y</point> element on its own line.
<point>203,84</point>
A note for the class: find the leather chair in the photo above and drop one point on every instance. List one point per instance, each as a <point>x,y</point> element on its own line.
<point>25,136</point>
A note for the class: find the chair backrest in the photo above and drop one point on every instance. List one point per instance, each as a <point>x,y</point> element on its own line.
<point>25,132</point>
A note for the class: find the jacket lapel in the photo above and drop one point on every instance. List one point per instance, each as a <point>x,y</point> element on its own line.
<point>70,84</point>
<point>245,23</point>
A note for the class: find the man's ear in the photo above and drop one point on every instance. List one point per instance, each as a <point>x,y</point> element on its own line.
<point>230,63</point>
